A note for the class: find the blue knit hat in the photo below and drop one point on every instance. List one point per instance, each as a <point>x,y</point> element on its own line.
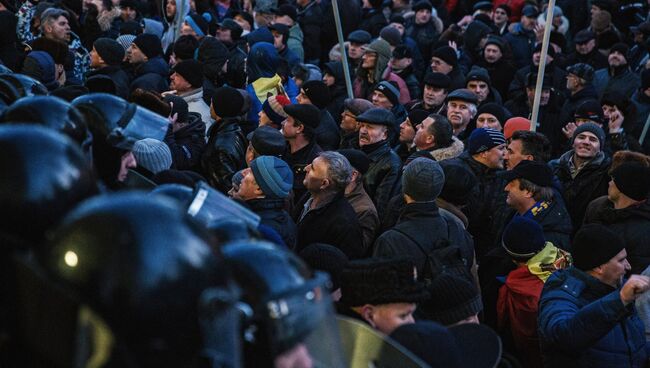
<point>523,237</point>
<point>483,139</point>
<point>273,176</point>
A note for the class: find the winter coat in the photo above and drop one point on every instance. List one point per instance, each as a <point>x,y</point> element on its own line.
<point>518,85</point>
<point>273,214</point>
<point>151,75</point>
<point>589,183</point>
<point>383,178</point>
<point>631,223</point>
<point>334,223</point>
<point>642,104</point>
<point>500,74</point>
<point>583,323</point>
<point>522,44</point>
<point>225,153</point>
<point>327,132</point>
<point>424,224</point>
<point>623,81</point>
<point>118,76</point>
<point>338,92</point>
<point>445,153</point>
<point>372,21</point>
<point>294,42</point>
<point>195,103</point>
<point>412,83</point>
<point>107,24</point>
<point>187,144</point>
<point>425,35</point>
<point>169,37</point>
<point>349,140</point>
<point>486,207</point>
<point>595,58</point>
<point>363,88</point>
<point>310,19</point>
<point>573,101</point>
<point>366,214</point>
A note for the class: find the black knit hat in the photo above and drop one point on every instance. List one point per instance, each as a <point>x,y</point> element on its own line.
<point>497,41</point>
<point>308,115</point>
<point>227,102</point>
<point>416,116</point>
<point>149,44</point>
<point>235,29</point>
<point>422,5</point>
<point>358,159</point>
<point>453,299</point>
<point>318,93</point>
<point>621,48</point>
<point>192,71</point>
<point>594,245</point>
<point>109,50</point>
<point>632,179</point>
<point>185,47</point>
<point>495,110</point>
<point>550,52</point>
<point>286,9</point>
<point>267,141</point>
<point>523,238</point>
<point>327,258</point>
<point>438,80</point>
<point>446,54</point>
<point>479,74</point>
<point>381,281</point>
<point>57,49</point>
<point>459,183</point>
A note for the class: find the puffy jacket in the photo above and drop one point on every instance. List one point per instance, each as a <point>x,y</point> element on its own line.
<point>583,323</point>
<point>187,144</point>
<point>151,75</point>
<point>224,154</point>
<point>273,214</point>
<point>590,183</point>
<point>631,223</point>
<point>383,179</point>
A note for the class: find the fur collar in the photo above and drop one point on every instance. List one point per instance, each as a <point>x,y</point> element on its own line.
<point>105,19</point>
<point>454,150</point>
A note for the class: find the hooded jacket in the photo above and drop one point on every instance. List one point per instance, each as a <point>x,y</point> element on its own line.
<point>187,144</point>
<point>171,26</point>
<point>363,88</point>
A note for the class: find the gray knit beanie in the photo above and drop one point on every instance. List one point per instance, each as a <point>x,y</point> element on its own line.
<point>423,180</point>
<point>152,154</point>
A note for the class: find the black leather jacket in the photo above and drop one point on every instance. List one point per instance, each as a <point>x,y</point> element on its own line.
<point>225,153</point>
<point>382,180</point>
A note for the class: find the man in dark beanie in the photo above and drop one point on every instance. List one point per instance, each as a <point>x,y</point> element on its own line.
<point>186,135</point>
<point>225,153</point>
<point>327,217</point>
<point>454,301</point>
<point>150,70</point>
<point>627,211</point>
<point>586,313</point>
<point>382,181</point>
<point>187,82</point>
<point>316,93</point>
<point>183,49</point>
<point>434,93</point>
<point>444,60</point>
<point>386,96</point>
<point>484,158</point>
<point>421,228</point>
<point>105,59</point>
<point>580,87</point>
<point>358,198</point>
<point>617,77</point>
<point>327,258</point>
<point>265,186</point>
<point>299,130</point>
<point>265,141</point>
<point>423,28</point>
<point>280,37</point>
<point>478,81</point>
<point>381,293</point>
<point>582,171</point>
<point>491,116</point>
<point>535,260</point>
<point>352,107</point>
<point>498,65</point>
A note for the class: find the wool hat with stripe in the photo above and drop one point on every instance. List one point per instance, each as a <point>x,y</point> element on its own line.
<point>149,45</point>
<point>125,40</point>
<point>483,139</point>
<point>273,176</point>
<point>523,238</point>
<point>199,24</point>
<point>152,154</point>
<point>274,108</point>
<point>389,90</point>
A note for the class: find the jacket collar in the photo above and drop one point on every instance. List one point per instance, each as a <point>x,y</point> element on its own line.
<point>376,150</point>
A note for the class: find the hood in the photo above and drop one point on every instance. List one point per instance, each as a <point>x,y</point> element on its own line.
<point>380,67</point>
<point>454,150</point>
<point>185,4</point>
<point>474,33</point>
<point>213,54</point>
<point>263,61</point>
<point>105,19</point>
<point>336,69</point>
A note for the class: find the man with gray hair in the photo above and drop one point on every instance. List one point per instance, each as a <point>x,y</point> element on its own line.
<point>55,26</point>
<point>327,217</point>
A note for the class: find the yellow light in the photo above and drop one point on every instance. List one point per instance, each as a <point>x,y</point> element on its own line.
<point>71,258</point>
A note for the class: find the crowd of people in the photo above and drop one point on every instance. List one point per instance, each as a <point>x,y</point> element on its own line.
<point>198,181</point>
